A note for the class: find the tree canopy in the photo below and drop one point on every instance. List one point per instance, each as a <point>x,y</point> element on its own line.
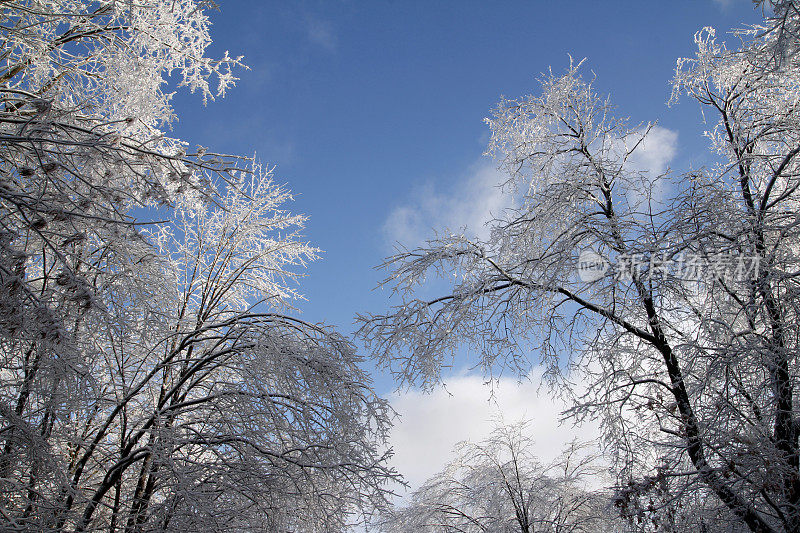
<point>673,298</point>
<point>153,376</point>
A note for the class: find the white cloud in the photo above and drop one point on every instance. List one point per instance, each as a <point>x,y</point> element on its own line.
<point>431,424</point>
<point>656,151</point>
<point>477,198</point>
<point>471,205</point>
<point>652,157</point>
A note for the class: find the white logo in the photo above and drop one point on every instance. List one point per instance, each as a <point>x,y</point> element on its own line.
<point>591,266</point>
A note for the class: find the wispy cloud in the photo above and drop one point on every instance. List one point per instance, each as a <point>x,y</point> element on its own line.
<point>473,202</point>
<point>477,197</point>
<point>431,424</point>
<point>321,33</point>
<point>727,4</point>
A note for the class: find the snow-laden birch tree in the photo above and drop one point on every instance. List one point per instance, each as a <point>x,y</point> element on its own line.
<point>152,377</point>
<point>682,328</point>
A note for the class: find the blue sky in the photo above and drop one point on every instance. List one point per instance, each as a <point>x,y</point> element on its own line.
<point>372,111</point>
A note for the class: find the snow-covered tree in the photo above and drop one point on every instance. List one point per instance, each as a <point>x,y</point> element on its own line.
<point>782,23</point>
<point>83,108</point>
<point>152,377</point>
<point>498,485</point>
<point>684,326</point>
